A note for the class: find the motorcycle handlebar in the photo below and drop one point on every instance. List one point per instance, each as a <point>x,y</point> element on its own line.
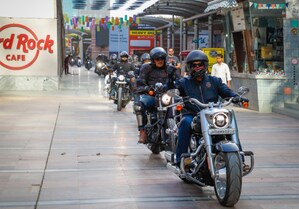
<point>211,104</point>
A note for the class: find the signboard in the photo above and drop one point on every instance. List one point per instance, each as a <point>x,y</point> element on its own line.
<point>28,46</point>
<point>141,39</point>
<point>238,18</point>
<point>118,40</point>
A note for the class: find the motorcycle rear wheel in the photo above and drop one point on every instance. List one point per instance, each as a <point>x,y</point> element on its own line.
<point>119,99</point>
<point>228,179</point>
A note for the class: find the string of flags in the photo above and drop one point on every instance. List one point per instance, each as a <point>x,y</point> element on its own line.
<point>268,6</point>
<point>86,22</point>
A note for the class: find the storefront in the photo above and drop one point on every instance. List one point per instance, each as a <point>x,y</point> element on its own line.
<point>259,57</point>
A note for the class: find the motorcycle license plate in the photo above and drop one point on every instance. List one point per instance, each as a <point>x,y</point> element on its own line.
<point>221,131</point>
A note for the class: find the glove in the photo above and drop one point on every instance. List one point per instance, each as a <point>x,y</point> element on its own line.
<point>171,70</point>
<point>238,99</point>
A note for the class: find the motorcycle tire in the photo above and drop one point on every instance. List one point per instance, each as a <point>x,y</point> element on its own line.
<point>228,179</point>
<point>119,99</point>
<point>154,148</point>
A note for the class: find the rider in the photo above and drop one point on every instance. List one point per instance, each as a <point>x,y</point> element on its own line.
<point>204,88</point>
<point>144,58</point>
<point>121,67</point>
<point>150,74</point>
<point>112,62</point>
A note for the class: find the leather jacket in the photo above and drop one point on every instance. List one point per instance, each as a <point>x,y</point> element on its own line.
<point>125,67</point>
<point>207,90</point>
<point>150,75</point>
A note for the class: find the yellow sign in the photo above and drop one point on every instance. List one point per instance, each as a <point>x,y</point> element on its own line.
<point>142,32</point>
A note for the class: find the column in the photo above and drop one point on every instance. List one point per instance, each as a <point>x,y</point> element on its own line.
<point>196,33</point>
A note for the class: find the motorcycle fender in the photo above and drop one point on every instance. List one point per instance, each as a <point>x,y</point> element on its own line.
<point>227,146</point>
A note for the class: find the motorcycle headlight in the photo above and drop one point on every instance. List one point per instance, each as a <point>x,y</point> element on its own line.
<point>221,120</point>
<point>99,64</point>
<point>166,99</point>
<point>121,77</point>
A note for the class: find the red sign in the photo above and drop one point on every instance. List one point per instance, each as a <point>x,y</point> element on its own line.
<point>21,46</point>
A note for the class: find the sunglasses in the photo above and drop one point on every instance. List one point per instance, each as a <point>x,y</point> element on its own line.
<point>197,65</point>
<point>159,59</point>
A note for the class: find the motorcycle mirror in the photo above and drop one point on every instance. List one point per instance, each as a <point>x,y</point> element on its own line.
<point>243,90</point>
<point>158,85</point>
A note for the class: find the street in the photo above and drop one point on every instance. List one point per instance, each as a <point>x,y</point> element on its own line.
<point>71,149</point>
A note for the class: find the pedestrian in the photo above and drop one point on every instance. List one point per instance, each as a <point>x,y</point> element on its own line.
<point>157,71</point>
<point>221,70</point>
<point>66,64</point>
<point>204,88</point>
<point>171,59</point>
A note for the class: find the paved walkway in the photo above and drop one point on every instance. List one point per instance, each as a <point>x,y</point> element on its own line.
<point>71,149</point>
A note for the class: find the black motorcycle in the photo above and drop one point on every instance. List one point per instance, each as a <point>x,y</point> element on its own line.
<point>122,89</point>
<point>161,127</point>
<point>215,157</point>
<point>88,64</point>
<point>102,65</point>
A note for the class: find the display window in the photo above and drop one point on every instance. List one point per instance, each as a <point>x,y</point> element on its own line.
<point>267,38</point>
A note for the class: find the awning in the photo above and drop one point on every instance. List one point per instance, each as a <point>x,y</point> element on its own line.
<point>217,4</point>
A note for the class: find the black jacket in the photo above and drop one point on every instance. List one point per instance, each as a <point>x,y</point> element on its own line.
<point>208,90</point>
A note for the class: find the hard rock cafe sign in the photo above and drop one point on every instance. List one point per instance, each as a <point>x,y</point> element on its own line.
<point>20,46</point>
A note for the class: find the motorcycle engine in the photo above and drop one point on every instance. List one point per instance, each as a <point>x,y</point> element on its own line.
<point>195,125</point>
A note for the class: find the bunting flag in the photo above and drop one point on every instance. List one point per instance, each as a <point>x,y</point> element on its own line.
<point>87,22</point>
<point>257,5</point>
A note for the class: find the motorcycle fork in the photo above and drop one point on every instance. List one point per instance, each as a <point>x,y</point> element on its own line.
<point>208,143</point>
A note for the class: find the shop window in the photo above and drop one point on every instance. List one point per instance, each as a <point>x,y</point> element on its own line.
<point>268,45</point>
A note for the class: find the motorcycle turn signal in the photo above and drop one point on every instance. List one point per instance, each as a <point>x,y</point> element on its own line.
<point>179,107</point>
<point>245,104</point>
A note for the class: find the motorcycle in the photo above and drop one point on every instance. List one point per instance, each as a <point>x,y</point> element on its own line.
<point>215,157</point>
<point>107,82</point>
<point>72,62</point>
<point>101,68</point>
<point>161,127</point>
<point>79,62</point>
<point>122,89</point>
<point>88,64</point>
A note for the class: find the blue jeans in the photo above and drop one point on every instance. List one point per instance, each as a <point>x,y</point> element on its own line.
<point>184,136</point>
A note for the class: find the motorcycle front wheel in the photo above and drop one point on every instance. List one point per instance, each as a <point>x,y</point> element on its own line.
<point>119,99</point>
<point>228,178</point>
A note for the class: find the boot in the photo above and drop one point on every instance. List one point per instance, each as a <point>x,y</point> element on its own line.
<point>142,137</point>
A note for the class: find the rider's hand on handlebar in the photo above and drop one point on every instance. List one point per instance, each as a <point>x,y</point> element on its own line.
<point>239,99</point>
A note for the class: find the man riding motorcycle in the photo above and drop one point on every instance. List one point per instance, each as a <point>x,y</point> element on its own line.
<point>204,88</point>
<point>144,58</point>
<point>121,67</point>
<point>150,74</point>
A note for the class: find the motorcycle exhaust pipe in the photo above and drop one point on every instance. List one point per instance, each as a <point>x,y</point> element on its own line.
<point>173,168</point>
<point>169,156</point>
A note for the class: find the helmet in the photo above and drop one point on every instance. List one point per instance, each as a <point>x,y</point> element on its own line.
<point>113,57</point>
<point>158,52</point>
<point>144,57</point>
<point>135,58</point>
<point>197,71</point>
<point>124,54</point>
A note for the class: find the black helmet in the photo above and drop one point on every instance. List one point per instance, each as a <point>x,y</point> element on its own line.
<point>197,71</point>
<point>124,54</point>
<point>113,57</point>
<point>144,57</point>
<point>158,52</point>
